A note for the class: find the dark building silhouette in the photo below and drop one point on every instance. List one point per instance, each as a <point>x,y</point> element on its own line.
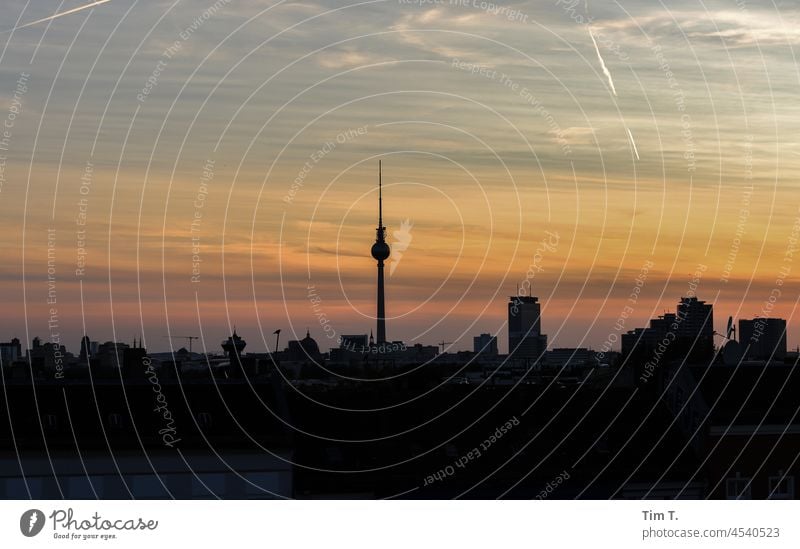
<point>485,344</point>
<point>86,350</point>
<point>700,432</point>
<point>130,448</point>
<point>380,251</point>
<point>421,353</point>
<point>110,355</point>
<point>304,350</point>
<point>640,342</point>
<point>134,364</point>
<point>525,338</point>
<point>36,344</point>
<point>9,352</point>
<point>763,338</point>
<point>354,343</point>
<point>352,349</point>
<point>633,342</point>
<point>688,333</point>
<point>696,330</point>
<point>570,358</point>
<point>661,325</point>
<point>742,423</point>
<point>233,346</point>
<point>48,357</point>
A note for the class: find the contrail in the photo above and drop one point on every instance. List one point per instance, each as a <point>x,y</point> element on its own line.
<point>56,15</point>
<point>635,150</point>
<point>602,63</point>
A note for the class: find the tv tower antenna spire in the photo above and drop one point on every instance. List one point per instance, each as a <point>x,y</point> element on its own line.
<point>380,252</point>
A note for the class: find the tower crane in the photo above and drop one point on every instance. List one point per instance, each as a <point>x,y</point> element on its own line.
<point>189,338</point>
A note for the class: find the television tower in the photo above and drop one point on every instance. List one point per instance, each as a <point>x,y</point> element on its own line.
<point>381,252</point>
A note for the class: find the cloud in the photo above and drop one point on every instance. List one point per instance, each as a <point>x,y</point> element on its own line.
<point>733,28</point>
<point>575,135</point>
<point>341,59</point>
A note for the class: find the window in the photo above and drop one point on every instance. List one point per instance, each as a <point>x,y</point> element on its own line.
<point>781,486</point>
<point>737,487</point>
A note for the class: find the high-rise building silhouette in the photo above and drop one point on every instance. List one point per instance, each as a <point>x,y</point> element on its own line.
<point>763,338</point>
<point>9,352</point>
<point>381,252</point>
<point>688,333</point>
<point>86,353</point>
<point>696,328</point>
<point>697,317</point>
<point>640,343</point>
<point>525,338</point>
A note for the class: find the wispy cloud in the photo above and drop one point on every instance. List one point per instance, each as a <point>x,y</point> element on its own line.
<point>576,135</point>
<point>345,58</point>
<point>745,27</point>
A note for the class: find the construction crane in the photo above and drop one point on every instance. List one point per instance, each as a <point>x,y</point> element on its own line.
<point>443,343</point>
<point>189,338</point>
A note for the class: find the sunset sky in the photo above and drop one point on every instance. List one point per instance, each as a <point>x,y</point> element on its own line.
<point>658,134</point>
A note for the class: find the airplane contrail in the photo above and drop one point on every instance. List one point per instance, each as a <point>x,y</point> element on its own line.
<point>603,63</point>
<point>56,15</point>
<point>635,150</point>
